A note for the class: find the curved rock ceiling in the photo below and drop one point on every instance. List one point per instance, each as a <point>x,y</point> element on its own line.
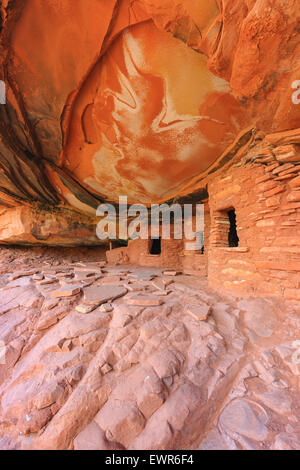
<point>136,98</point>
<point>148,118</point>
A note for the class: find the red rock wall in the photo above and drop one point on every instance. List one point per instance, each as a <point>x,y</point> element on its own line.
<point>33,225</point>
<point>136,97</point>
<point>263,187</point>
<point>265,193</point>
<point>138,253</point>
<point>196,263</point>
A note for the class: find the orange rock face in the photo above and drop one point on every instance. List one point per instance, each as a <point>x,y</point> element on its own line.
<point>195,370</point>
<point>109,98</point>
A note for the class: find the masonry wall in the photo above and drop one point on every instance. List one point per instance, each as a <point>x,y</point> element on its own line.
<point>170,257</point>
<point>138,253</point>
<point>266,197</point>
<point>263,187</point>
<point>173,253</point>
<point>196,263</point>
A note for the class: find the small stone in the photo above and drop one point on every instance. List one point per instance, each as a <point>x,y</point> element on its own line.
<point>66,292</point>
<point>110,280</point>
<point>135,287</point>
<point>88,269</point>
<point>67,346</point>
<point>199,312</point>
<point>64,275</point>
<point>106,369</point>
<point>171,273</point>
<point>84,274</point>
<point>85,308</point>
<point>159,284</point>
<point>47,282</point>
<point>49,304</point>
<point>49,271</point>
<point>19,274</point>
<point>106,308</point>
<point>144,301</point>
<point>142,276</point>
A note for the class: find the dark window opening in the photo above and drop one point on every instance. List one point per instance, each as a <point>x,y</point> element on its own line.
<point>233,239</point>
<point>200,242</point>
<point>155,247</point>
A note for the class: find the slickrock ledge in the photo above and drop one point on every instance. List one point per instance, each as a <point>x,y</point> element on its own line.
<point>199,77</point>
<point>112,379</point>
<point>164,343</point>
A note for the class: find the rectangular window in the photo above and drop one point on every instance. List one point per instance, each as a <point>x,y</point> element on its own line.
<point>155,247</point>
<point>233,239</point>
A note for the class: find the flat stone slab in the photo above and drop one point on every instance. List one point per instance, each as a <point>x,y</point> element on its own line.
<point>102,294</point>
<point>162,293</point>
<point>46,282</point>
<point>19,274</point>
<point>118,271</point>
<point>245,418</point>
<point>135,287</point>
<point>83,274</point>
<point>89,269</point>
<point>50,271</point>
<point>110,280</point>
<point>199,312</point>
<point>64,275</point>
<point>171,273</point>
<point>144,301</point>
<point>159,284</point>
<point>144,275</point>
<point>141,277</point>
<point>66,291</point>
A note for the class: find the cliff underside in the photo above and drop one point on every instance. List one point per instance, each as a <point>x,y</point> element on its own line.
<point>149,346</point>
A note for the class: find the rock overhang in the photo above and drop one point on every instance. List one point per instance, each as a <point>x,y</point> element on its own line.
<point>143,99</point>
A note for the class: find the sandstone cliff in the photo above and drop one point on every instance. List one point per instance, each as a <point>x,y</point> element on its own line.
<point>135,97</point>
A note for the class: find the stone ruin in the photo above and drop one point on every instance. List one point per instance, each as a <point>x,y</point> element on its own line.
<point>162,102</point>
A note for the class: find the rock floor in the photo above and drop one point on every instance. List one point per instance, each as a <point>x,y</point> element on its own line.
<point>113,357</point>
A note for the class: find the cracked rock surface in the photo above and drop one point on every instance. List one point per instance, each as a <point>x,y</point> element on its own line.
<point>128,376</point>
<point>154,94</point>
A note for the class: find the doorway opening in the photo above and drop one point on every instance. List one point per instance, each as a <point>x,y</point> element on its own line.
<point>155,247</point>
<point>233,239</point>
